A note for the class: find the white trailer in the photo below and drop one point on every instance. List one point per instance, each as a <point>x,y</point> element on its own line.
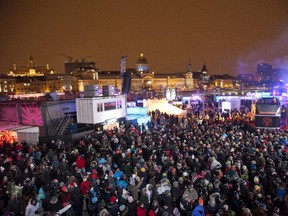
<point>100,109</point>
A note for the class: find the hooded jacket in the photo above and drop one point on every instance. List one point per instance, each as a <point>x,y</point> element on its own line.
<point>31,209</point>
<point>80,162</point>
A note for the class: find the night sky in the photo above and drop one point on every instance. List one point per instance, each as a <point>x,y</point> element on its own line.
<point>230,36</point>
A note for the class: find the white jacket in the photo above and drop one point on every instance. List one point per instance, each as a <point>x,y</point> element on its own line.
<point>31,209</point>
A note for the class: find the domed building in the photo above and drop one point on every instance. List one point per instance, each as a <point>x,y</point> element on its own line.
<point>158,83</point>
<point>142,65</point>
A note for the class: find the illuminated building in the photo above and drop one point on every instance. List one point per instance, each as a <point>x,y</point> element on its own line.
<point>31,70</point>
<point>30,79</point>
<point>142,79</point>
<point>35,79</point>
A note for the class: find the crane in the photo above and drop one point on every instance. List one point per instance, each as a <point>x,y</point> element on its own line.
<point>85,57</point>
<point>69,57</point>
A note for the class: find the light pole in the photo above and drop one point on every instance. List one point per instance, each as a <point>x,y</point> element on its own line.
<point>203,96</point>
<point>204,72</point>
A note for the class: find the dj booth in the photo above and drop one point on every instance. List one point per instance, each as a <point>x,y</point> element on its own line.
<point>268,113</point>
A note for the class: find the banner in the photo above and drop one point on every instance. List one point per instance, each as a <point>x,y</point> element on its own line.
<point>267,121</point>
<point>31,114</point>
<point>8,112</point>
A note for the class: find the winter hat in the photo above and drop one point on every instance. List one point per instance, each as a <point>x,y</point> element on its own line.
<point>73,184</point>
<point>276,210</point>
<point>176,212</point>
<point>257,188</point>
<point>246,211</point>
<point>217,183</point>
<point>236,195</point>
<point>54,200</point>
<point>244,168</point>
<point>41,191</point>
<point>122,208</point>
<point>125,194</point>
<point>262,205</point>
<point>225,207</point>
<point>64,188</point>
<point>185,174</point>
<point>112,199</point>
<point>130,199</point>
<point>256,180</point>
<point>94,199</point>
<point>103,212</point>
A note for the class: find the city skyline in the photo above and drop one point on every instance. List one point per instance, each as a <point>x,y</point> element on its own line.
<point>230,36</point>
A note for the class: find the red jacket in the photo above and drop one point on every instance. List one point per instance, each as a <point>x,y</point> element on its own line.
<point>151,213</point>
<point>141,211</point>
<point>80,162</point>
<point>94,174</point>
<point>85,187</point>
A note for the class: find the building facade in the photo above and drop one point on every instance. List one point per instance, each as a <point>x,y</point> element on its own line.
<point>35,79</point>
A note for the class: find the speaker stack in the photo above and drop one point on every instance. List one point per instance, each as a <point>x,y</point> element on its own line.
<point>126,85</point>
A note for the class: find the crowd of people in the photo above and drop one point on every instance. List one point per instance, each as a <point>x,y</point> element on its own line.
<point>177,165</point>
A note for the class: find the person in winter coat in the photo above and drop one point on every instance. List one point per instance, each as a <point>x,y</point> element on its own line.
<point>140,210</point>
<point>280,190</point>
<point>191,194</point>
<point>92,203</point>
<point>176,192</point>
<point>41,196</point>
<point>144,198</point>
<point>199,209</point>
<point>155,209</point>
<point>85,187</point>
<point>166,209</point>
<point>64,169</point>
<point>16,205</point>
<point>260,210</point>
<point>113,206</point>
<point>76,199</point>
<point>32,207</point>
<point>133,188</point>
<point>52,204</point>
<point>186,205</point>
<point>94,176</point>
<point>65,196</point>
<point>81,163</point>
<point>131,206</point>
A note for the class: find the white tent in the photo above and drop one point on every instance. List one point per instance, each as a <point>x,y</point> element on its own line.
<point>29,134</point>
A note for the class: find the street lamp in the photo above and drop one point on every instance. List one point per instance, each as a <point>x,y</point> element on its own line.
<point>204,73</point>
<point>203,98</point>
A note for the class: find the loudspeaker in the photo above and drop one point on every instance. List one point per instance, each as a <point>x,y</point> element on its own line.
<point>126,85</point>
<point>108,90</point>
